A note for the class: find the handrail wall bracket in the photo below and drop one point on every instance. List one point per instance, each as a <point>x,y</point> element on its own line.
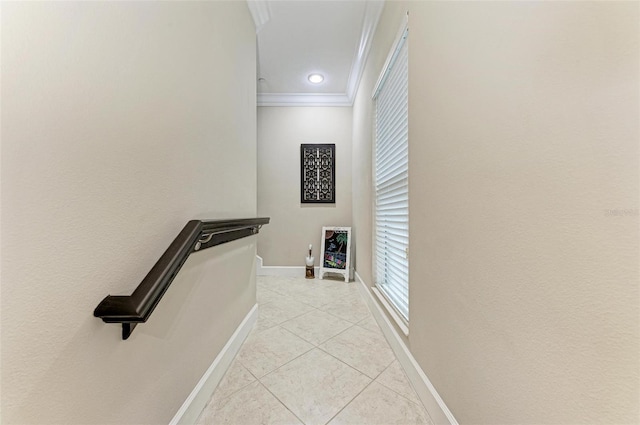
<point>129,310</point>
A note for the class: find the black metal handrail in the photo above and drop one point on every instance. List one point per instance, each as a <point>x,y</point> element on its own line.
<point>196,235</point>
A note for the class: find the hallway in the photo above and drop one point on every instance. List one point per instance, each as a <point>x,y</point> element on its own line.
<point>315,356</point>
<point>123,121</point>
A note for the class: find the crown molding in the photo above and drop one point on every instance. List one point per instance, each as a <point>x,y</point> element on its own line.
<point>303,99</point>
<point>373,10</point>
<point>260,12</point>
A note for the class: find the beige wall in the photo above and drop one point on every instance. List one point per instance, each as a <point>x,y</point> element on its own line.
<point>120,122</point>
<point>363,136</point>
<point>523,137</point>
<point>293,225</point>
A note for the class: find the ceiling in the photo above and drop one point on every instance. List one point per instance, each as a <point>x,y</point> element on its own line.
<point>296,38</point>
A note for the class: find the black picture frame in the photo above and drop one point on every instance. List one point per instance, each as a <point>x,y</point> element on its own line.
<point>317,173</point>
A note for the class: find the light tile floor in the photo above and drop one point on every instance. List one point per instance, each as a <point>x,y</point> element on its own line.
<point>316,356</point>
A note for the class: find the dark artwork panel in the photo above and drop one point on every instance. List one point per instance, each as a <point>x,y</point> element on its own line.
<point>335,249</point>
<point>317,173</point>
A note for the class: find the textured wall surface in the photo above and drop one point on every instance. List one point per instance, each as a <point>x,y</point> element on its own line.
<point>523,140</point>
<point>293,225</point>
<point>121,121</point>
<point>364,136</point>
<point>523,136</point>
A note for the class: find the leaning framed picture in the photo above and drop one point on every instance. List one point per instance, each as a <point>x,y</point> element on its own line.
<point>336,251</point>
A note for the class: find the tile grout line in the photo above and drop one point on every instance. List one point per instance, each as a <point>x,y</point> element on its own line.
<point>291,318</point>
<point>345,319</point>
<point>351,325</point>
<point>335,358</point>
<point>317,346</point>
<point>284,364</point>
<point>342,361</point>
<point>235,359</point>
<point>334,336</point>
<point>350,401</point>
<point>281,402</point>
<point>321,342</point>
<point>408,382</point>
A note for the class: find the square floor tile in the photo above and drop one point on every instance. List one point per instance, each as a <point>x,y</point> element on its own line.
<point>313,295</point>
<point>362,349</point>
<point>394,378</point>
<point>252,405</point>
<point>378,405</point>
<point>340,288</point>
<point>264,296</point>
<point>236,378</point>
<point>350,307</point>
<point>315,386</point>
<point>281,377</point>
<point>266,351</point>
<point>370,324</point>
<point>316,326</point>
<point>283,309</point>
<point>262,324</point>
<point>283,285</point>
<point>329,288</point>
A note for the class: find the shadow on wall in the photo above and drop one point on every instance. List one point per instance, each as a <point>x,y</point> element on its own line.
<point>96,361</point>
<point>333,206</point>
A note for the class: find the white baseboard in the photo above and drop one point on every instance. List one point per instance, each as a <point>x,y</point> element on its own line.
<point>289,271</point>
<point>437,409</point>
<point>201,394</point>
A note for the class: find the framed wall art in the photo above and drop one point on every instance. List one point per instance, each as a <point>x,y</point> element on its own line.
<point>336,251</point>
<point>317,173</point>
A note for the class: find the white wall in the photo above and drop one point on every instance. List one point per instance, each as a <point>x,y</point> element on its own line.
<point>523,136</point>
<point>121,121</point>
<point>293,225</point>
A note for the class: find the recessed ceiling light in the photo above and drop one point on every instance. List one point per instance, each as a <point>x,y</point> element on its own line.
<point>316,78</point>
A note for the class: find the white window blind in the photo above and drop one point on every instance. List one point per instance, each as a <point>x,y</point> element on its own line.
<point>392,177</point>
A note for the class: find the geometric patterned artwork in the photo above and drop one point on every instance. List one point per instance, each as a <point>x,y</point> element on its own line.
<point>317,174</point>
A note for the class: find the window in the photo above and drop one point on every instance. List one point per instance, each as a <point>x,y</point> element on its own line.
<point>392,177</point>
